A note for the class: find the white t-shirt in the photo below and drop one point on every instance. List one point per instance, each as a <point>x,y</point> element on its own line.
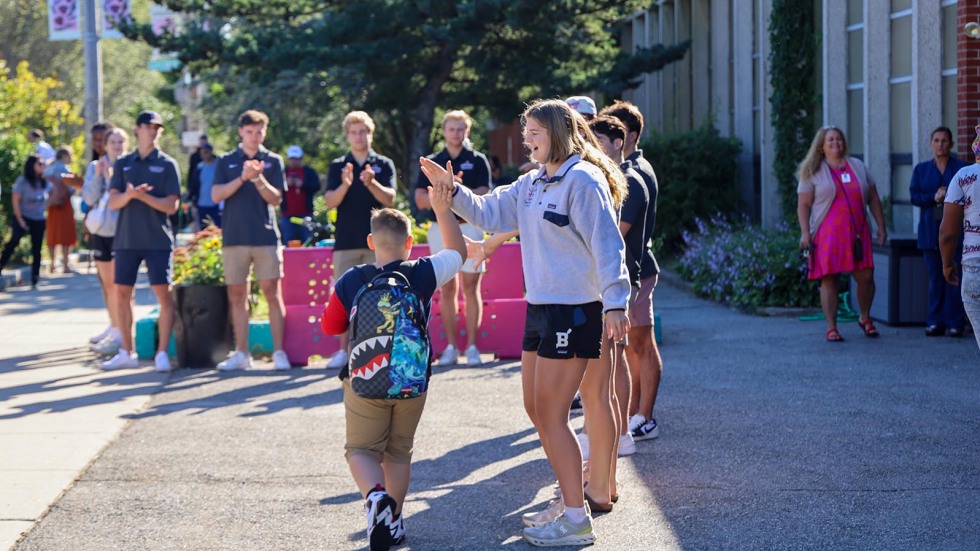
<point>963,191</point>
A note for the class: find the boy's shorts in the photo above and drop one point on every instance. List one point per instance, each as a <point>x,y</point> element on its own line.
<point>382,429</point>
<point>641,311</point>
<point>159,267</point>
<point>564,331</point>
<point>238,260</point>
<point>434,237</point>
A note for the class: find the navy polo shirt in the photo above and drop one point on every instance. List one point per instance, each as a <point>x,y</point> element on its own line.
<point>247,218</point>
<point>140,226</point>
<point>648,265</point>
<point>474,166</point>
<point>354,213</point>
<point>634,211</point>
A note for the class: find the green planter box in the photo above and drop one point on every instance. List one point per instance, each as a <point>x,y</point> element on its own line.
<point>259,337</point>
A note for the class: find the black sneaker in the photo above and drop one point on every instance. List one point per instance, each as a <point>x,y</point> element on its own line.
<point>380,509</point>
<point>646,431</point>
<point>576,403</point>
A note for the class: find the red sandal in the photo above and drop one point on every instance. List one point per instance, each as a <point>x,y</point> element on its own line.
<point>833,335</point>
<point>869,328</point>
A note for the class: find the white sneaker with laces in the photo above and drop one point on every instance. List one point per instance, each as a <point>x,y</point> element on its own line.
<point>583,442</point>
<point>280,361</point>
<point>338,360</point>
<point>236,362</point>
<point>637,421</point>
<point>449,356</point>
<point>105,333</point>
<point>561,531</point>
<point>161,363</point>
<point>626,445</point>
<point>122,360</point>
<point>554,510</point>
<point>473,356</point>
<point>108,346</point>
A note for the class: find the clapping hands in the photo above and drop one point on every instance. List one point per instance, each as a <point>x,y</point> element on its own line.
<point>252,169</point>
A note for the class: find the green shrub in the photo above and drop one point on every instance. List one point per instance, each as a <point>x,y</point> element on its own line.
<point>745,265</point>
<point>696,174</point>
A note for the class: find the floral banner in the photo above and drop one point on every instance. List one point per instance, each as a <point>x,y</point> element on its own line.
<point>114,11</point>
<point>64,22</point>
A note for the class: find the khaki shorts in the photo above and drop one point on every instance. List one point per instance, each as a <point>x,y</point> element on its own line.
<point>469,230</point>
<point>641,313</point>
<point>382,429</point>
<point>240,258</point>
<point>347,259</point>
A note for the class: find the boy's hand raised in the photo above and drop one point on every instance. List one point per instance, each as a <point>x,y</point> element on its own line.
<point>441,198</point>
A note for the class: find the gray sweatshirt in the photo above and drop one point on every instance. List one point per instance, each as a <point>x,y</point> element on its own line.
<point>572,250</point>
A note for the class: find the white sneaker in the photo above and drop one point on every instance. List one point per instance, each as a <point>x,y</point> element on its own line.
<point>280,361</point>
<point>473,356</point>
<point>108,346</point>
<point>123,360</point>
<point>626,445</point>
<point>637,421</point>
<point>554,510</point>
<point>449,356</point>
<point>236,362</point>
<point>583,442</point>
<point>338,360</point>
<point>97,338</point>
<point>161,362</point>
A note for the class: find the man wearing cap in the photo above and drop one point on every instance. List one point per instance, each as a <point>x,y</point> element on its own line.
<point>474,171</point>
<point>250,182</point>
<point>584,105</point>
<point>302,184</point>
<point>199,188</point>
<point>145,189</point>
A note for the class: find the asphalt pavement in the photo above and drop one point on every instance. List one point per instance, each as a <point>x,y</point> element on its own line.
<point>771,438</point>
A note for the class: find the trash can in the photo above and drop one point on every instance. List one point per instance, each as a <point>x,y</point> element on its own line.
<point>901,283</point>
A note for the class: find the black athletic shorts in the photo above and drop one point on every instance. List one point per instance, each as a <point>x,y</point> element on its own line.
<point>101,248</point>
<point>562,331</point>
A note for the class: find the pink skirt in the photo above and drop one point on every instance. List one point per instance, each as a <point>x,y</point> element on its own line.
<point>832,251</point>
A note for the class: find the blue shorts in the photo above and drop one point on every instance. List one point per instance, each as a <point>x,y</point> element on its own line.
<point>159,266</point>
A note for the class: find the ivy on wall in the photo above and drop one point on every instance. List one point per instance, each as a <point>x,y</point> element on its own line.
<point>793,44</point>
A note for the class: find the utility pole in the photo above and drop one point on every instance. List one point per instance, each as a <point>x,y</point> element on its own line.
<point>93,65</point>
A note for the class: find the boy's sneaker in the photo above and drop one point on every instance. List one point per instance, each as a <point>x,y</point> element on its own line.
<point>398,530</point>
<point>108,346</point>
<point>554,510</point>
<point>161,362</point>
<point>449,355</point>
<point>576,402</point>
<point>626,445</point>
<point>473,356</point>
<point>380,509</point>
<point>280,361</point>
<point>124,359</point>
<point>561,531</point>
<point>647,431</point>
<point>236,362</point>
<point>97,338</point>
<point>583,442</point>
<point>338,360</point>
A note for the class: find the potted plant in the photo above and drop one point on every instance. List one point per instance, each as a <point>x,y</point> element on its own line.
<point>202,328</point>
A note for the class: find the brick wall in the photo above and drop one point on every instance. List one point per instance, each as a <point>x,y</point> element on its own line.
<point>967,77</point>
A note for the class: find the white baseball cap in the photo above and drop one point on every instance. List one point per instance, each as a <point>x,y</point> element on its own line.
<point>294,152</point>
<point>582,104</point>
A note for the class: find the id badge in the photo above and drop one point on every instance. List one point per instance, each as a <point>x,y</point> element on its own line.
<point>845,177</point>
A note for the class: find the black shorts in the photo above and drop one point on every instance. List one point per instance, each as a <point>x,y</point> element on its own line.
<point>101,248</point>
<point>562,331</point>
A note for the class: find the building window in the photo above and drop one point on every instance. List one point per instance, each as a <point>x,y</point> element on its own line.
<point>855,77</point>
<point>900,115</point>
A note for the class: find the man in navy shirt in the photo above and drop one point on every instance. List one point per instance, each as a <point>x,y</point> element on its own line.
<point>145,189</point>
<point>250,182</point>
<point>473,170</point>
<point>357,183</point>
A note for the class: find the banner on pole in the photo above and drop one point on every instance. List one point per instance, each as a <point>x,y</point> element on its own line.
<point>163,20</point>
<point>64,22</point>
<point>114,11</point>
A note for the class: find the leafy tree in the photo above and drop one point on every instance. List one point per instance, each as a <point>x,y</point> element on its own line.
<point>400,60</point>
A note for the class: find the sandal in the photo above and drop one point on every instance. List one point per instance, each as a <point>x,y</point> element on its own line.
<point>597,507</point>
<point>833,335</point>
<point>869,328</point>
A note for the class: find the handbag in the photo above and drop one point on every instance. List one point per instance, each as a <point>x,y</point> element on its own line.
<point>101,220</point>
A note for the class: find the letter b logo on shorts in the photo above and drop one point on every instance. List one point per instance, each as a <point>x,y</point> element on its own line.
<point>561,338</point>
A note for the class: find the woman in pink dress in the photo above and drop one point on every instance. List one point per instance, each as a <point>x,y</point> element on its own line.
<point>834,194</point>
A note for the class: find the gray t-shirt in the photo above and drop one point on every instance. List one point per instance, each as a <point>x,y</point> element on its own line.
<point>32,199</point>
<point>248,219</point>
<point>142,227</point>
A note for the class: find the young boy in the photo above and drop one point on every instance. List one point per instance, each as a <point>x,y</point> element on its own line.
<point>381,432</point>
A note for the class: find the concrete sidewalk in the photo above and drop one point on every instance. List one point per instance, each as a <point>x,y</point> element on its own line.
<point>771,439</point>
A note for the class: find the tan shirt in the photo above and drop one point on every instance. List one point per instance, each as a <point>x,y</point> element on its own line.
<point>823,188</point>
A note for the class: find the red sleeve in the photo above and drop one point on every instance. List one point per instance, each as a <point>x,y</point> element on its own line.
<point>334,320</point>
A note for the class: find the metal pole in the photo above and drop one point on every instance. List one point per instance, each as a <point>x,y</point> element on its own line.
<point>93,66</point>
